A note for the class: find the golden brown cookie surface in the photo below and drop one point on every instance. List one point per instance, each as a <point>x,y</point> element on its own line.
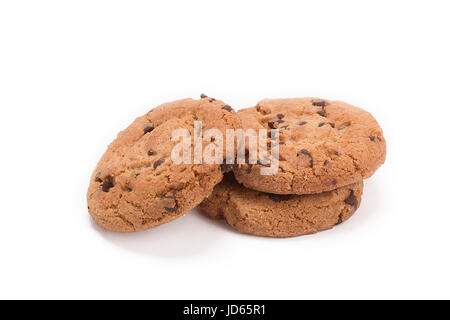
<point>280,216</point>
<point>323,145</point>
<point>137,186</point>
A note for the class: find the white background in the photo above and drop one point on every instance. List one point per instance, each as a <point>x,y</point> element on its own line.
<point>74,73</point>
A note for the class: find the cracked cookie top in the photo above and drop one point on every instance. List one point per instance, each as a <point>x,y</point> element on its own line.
<point>274,215</point>
<point>323,145</point>
<point>137,186</point>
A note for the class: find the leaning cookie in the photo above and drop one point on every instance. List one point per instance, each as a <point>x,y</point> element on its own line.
<point>137,186</point>
<point>323,145</point>
<point>280,216</point>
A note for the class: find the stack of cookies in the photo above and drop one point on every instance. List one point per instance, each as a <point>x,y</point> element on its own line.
<point>326,149</point>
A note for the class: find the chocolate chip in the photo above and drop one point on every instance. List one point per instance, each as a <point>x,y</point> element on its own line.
<point>302,123</point>
<point>322,124</point>
<point>306,153</point>
<point>339,219</point>
<point>266,164</point>
<point>319,103</point>
<point>224,167</point>
<point>150,152</point>
<point>148,129</point>
<point>325,162</point>
<point>212,100</point>
<point>334,182</point>
<point>107,184</point>
<point>273,124</point>
<point>203,96</point>
<point>331,124</point>
<point>372,138</point>
<point>279,197</point>
<point>158,163</point>
<point>97,178</point>
<point>352,200</point>
<point>227,108</point>
<point>321,113</point>
<point>171,209</point>
<point>280,116</point>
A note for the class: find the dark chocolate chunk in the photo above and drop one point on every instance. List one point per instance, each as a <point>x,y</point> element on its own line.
<point>265,164</point>
<point>273,124</point>
<point>339,219</point>
<point>203,96</point>
<point>150,152</point>
<point>322,124</point>
<point>321,113</point>
<point>280,116</point>
<point>157,163</point>
<point>372,138</point>
<point>279,197</point>
<point>319,103</point>
<point>325,162</point>
<point>175,207</point>
<point>148,129</point>
<point>107,184</point>
<point>334,182</point>
<point>302,123</point>
<point>227,108</point>
<point>171,210</point>
<point>352,200</point>
<point>306,153</point>
<point>212,100</point>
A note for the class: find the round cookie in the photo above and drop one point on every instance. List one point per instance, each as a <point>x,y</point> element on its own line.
<point>137,186</point>
<point>273,215</point>
<point>323,145</point>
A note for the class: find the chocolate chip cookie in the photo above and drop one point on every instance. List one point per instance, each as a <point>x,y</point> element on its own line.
<point>280,216</point>
<point>323,145</point>
<point>137,186</point>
